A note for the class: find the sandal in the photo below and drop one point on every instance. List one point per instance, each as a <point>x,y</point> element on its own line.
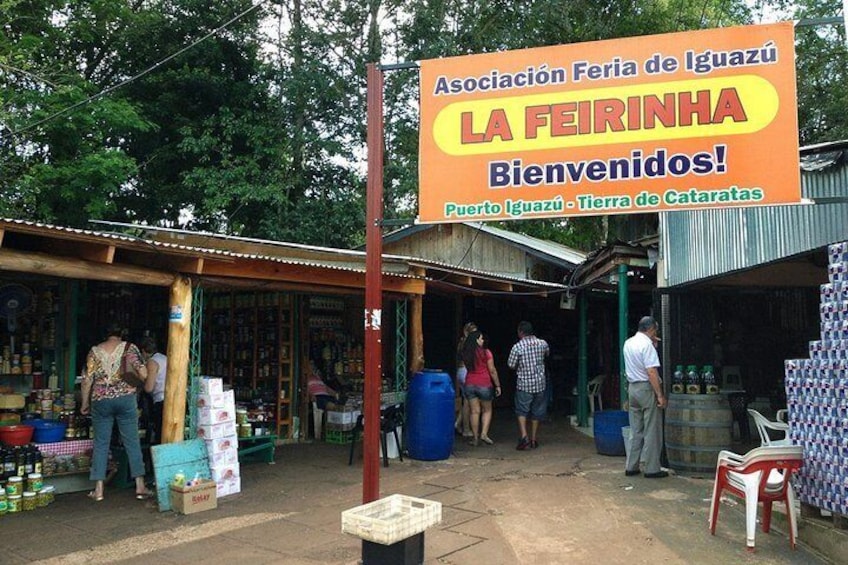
<point>487,440</point>
<point>93,496</point>
<point>144,495</point>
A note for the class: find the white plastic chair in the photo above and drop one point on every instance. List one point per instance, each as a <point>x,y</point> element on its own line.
<point>763,427</point>
<point>317,421</point>
<point>761,475</point>
<point>594,391</point>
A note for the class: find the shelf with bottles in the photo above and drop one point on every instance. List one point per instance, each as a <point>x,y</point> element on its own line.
<point>336,353</point>
<point>250,342</point>
<point>329,303</point>
<point>355,384</point>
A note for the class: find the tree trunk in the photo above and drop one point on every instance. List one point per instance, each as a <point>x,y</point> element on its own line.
<point>176,378</point>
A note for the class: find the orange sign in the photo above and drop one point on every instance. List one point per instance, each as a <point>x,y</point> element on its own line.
<point>682,121</point>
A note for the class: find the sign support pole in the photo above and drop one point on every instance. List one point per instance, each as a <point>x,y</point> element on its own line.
<point>373,287</point>
<point>622,331</point>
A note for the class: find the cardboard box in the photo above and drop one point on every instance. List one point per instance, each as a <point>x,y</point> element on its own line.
<point>210,400</point>
<point>207,416</point>
<point>228,487</point>
<point>215,431</point>
<point>209,385</point>
<point>342,418</point>
<point>221,444</point>
<point>195,498</point>
<point>224,457</point>
<point>229,400</point>
<point>224,472</point>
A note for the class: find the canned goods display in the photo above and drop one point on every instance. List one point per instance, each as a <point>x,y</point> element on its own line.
<point>35,482</point>
<point>14,503</point>
<point>4,505</point>
<point>28,501</point>
<point>14,486</point>
<point>46,496</point>
<point>245,430</point>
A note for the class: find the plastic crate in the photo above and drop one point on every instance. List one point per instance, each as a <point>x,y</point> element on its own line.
<point>330,426</point>
<point>393,397</point>
<point>391,519</point>
<point>337,436</point>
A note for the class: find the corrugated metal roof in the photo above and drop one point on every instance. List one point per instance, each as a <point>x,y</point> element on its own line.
<point>708,243</point>
<point>438,265</point>
<point>531,243</point>
<point>549,250</point>
<point>350,261</point>
<point>395,269</point>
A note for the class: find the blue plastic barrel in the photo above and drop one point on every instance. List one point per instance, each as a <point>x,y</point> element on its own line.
<point>429,415</point>
<point>607,429</point>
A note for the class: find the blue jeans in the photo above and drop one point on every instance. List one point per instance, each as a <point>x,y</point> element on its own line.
<point>104,413</point>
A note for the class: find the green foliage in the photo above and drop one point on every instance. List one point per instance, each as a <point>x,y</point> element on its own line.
<point>821,58</point>
<point>260,129</point>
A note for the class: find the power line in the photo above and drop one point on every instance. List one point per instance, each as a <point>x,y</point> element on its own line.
<point>146,71</point>
<point>464,255</point>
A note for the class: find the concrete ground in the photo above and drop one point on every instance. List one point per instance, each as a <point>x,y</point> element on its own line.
<point>560,503</point>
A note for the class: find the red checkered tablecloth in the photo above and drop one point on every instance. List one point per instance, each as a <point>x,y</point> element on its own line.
<point>71,447</point>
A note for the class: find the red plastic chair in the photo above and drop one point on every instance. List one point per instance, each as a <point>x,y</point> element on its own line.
<point>761,475</point>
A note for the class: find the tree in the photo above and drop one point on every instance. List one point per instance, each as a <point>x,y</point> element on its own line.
<point>259,130</point>
<point>821,62</point>
<point>73,167</point>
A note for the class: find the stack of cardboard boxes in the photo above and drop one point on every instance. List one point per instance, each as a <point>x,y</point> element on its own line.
<point>216,425</point>
<point>817,397</point>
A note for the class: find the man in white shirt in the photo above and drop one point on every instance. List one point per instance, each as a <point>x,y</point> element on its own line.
<point>646,398</point>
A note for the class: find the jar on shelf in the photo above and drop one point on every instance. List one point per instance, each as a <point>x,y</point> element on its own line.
<point>14,503</point>
<point>15,369</point>
<point>28,501</point>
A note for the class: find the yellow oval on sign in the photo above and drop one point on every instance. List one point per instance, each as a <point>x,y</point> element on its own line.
<point>624,114</point>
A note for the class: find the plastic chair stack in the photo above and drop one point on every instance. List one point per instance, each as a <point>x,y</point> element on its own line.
<point>761,475</point>
<point>763,427</point>
<point>594,390</point>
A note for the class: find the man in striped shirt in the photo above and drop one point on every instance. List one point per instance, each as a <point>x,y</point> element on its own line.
<point>527,357</point>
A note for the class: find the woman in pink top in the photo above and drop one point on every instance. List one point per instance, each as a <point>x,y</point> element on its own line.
<point>324,396</point>
<point>481,386</point>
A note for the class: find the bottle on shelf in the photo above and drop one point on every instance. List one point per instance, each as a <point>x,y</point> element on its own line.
<point>693,384</point>
<point>53,377</point>
<point>677,381</point>
<point>710,384</point>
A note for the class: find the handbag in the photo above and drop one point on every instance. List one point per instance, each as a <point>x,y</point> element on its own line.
<point>128,373</point>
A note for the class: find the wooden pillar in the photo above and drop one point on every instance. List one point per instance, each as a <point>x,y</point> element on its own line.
<point>176,379</point>
<point>416,333</point>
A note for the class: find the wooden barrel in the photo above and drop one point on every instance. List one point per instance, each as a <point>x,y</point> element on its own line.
<point>697,427</point>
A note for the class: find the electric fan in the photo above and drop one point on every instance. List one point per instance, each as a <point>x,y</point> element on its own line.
<point>15,299</point>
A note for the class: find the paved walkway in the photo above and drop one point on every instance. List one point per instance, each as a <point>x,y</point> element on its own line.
<point>560,503</point>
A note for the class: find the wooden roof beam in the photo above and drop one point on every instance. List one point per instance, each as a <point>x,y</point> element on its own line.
<point>192,266</point>
<point>495,285</point>
<point>73,268</point>
<point>273,271</point>
<point>464,280</point>
<point>97,253</point>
